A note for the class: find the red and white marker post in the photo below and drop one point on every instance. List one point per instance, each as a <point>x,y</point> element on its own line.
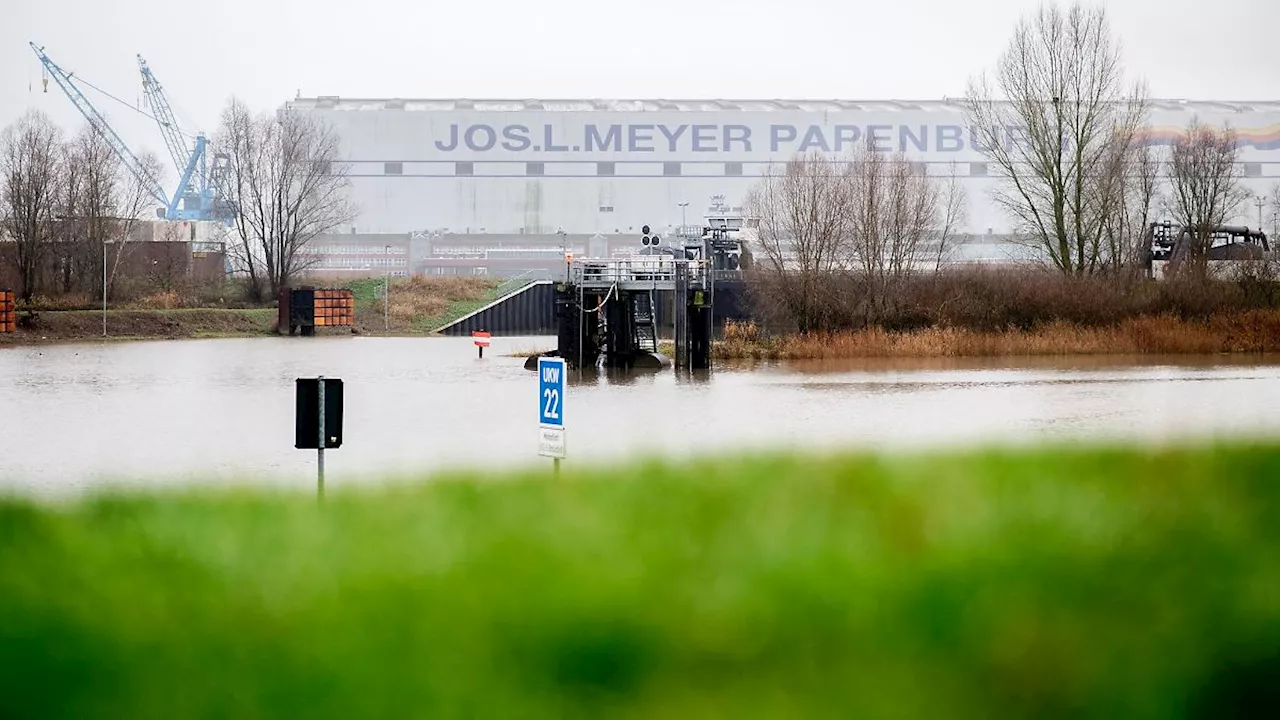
<point>481,340</point>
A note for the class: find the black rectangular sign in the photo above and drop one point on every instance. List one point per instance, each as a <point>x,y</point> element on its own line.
<point>307,424</point>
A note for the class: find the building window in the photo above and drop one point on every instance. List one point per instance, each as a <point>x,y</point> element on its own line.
<point>670,169</point>
<point>606,208</point>
<point>733,169</point>
<point>605,168</point>
<point>978,169</point>
<point>1253,169</point>
<point>464,168</point>
<point>393,168</point>
<point>535,168</point>
<point>322,167</point>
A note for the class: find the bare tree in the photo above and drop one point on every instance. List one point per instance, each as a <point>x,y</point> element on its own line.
<point>243,247</point>
<point>72,264</point>
<point>287,185</point>
<point>1126,190</point>
<point>955,213</point>
<point>1273,205</point>
<point>896,212</point>
<point>1053,121</point>
<point>112,203</point>
<point>804,214</point>
<point>30,166</point>
<point>838,238</point>
<point>1205,188</point>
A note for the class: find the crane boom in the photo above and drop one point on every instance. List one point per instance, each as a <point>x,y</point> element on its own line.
<point>159,104</point>
<point>100,124</point>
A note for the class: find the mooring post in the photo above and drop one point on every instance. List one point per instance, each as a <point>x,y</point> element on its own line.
<point>680,299</point>
<point>320,445</point>
<point>582,335</point>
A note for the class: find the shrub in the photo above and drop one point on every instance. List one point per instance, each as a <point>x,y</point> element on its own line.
<point>1022,298</point>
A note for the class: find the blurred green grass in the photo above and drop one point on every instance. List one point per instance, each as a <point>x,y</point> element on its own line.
<point>1044,583</point>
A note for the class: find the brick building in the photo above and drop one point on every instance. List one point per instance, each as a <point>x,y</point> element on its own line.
<point>157,255</point>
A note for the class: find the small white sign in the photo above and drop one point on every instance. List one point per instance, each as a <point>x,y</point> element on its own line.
<point>551,442</point>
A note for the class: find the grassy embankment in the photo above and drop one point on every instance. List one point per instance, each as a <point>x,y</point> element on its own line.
<point>418,306</point>
<point>151,324</point>
<point>1051,583</point>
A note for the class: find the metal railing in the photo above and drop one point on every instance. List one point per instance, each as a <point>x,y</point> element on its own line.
<point>651,271</point>
<point>516,282</point>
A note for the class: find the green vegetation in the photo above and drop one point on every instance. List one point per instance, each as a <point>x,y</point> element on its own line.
<point>419,305</point>
<point>145,324</point>
<point>1053,583</point>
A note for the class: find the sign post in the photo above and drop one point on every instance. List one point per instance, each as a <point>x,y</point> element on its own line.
<point>482,341</point>
<point>551,433</point>
<point>318,420</point>
<point>320,438</point>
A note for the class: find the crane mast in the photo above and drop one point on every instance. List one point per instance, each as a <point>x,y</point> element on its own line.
<point>197,196</point>
<point>159,104</point>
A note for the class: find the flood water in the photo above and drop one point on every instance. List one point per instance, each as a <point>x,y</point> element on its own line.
<point>80,416</point>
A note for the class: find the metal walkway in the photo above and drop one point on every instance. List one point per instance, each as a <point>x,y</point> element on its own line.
<point>640,273</point>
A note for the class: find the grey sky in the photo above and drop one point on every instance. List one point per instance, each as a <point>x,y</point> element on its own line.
<point>266,51</point>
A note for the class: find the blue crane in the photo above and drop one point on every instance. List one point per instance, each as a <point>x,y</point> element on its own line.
<point>198,190</point>
<point>195,197</point>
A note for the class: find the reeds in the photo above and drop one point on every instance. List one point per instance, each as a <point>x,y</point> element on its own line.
<point>1018,311</point>
<point>1243,331</point>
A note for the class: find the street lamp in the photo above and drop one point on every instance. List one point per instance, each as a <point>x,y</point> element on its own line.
<point>66,218</point>
<point>683,220</point>
<point>564,250</point>
<point>104,287</point>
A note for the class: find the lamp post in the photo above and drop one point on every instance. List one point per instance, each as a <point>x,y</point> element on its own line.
<point>1260,202</point>
<point>564,251</point>
<point>386,302</point>
<point>104,287</point>
<point>683,220</point>
<point>70,218</point>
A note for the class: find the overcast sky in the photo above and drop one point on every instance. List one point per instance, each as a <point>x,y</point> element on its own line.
<point>267,51</point>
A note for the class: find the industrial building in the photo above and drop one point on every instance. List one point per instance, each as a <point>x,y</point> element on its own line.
<point>358,255</point>
<point>607,167</point>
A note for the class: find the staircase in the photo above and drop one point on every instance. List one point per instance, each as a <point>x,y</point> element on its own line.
<point>642,318</point>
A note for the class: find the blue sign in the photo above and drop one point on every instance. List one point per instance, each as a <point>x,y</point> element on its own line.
<point>551,373</point>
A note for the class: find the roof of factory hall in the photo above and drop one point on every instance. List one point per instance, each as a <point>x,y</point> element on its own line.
<point>333,102</point>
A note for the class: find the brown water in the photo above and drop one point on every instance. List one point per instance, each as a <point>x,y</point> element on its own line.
<point>221,411</point>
